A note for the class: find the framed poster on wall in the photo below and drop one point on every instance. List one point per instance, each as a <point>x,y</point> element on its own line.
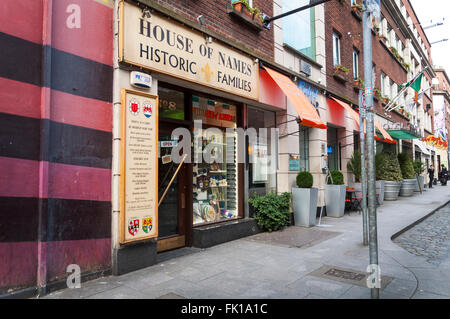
<point>139,166</point>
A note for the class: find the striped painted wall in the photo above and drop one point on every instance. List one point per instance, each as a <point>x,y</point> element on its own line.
<point>55,139</point>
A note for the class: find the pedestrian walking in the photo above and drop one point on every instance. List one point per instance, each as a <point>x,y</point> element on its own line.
<point>431,176</point>
<point>444,175</point>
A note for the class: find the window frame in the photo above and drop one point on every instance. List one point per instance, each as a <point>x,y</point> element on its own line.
<point>336,48</point>
<point>355,55</point>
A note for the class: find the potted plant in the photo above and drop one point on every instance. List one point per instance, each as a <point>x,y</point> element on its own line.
<point>357,7</point>
<point>305,200</point>
<point>380,163</point>
<point>419,168</point>
<point>406,66</point>
<point>358,82</point>
<point>377,94</point>
<point>272,211</point>
<point>243,6</point>
<point>409,180</point>
<point>340,69</point>
<point>335,194</point>
<point>385,100</point>
<point>354,166</point>
<point>392,175</point>
<point>340,72</point>
<point>383,38</point>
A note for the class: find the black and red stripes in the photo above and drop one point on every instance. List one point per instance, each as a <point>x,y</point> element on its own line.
<point>55,140</point>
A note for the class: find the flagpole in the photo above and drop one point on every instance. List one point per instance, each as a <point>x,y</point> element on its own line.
<point>388,107</point>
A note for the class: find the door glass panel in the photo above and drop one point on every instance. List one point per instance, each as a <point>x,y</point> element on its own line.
<point>168,210</point>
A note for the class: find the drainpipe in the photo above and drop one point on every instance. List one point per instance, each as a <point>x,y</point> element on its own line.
<point>115,183</point>
<point>44,148</point>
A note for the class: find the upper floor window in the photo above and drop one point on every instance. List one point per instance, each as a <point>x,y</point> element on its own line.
<point>384,82</point>
<point>389,35</point>
<point>374,75</point>
<point>299,28</point>
<point>355,64</point>
<point>336,49</point>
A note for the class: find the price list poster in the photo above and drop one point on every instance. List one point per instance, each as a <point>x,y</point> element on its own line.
<point>139,166</point>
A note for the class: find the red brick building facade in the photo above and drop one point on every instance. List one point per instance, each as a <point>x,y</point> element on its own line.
<point>219,20</point>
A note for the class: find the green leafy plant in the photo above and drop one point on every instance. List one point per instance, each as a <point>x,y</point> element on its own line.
<point>377,93</point>
<point>305,180</point>
<point>406,66</point>
<point>354,165</point>
<point>357,6</point>
<point>419,167</point>
<point>337,178</point>
<point>255,11</point>
<point>272,211</point>
<point>390,171</point>
<point>381,162</point>
<point>358,82</point>
<point>406,166</point>
<point>341,68</point>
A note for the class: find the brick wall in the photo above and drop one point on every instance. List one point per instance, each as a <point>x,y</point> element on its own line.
<point>339,18</point>
<point>219,21</point>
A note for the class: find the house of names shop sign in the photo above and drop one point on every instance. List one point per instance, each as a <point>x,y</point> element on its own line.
<point>167,47</point>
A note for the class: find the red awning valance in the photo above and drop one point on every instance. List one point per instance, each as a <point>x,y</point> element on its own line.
<point>386,137</point>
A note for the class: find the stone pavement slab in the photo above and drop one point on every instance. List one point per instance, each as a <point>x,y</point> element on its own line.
<point>275,266</point>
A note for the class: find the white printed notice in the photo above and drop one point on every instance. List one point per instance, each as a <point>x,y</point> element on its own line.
<point>139,166</point>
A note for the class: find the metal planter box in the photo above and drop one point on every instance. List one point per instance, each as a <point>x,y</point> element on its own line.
<point>422,184</point>
<point>335,200</point>
<point>391,190</point>
<point>408,187</point>
<point>305,206</point>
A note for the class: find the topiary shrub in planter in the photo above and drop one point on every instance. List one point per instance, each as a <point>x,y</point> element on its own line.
<point>305,180</point>
<point>391,173</point>
<point>335,194</point>
<point>406,166</point>
<point>304,199</point>
<point>272,211</point>
<point>409,181</point>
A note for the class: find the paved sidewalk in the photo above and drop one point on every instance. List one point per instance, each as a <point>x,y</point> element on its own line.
<point>275,266</point>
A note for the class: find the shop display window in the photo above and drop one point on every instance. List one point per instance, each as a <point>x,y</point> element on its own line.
<point>215,170</point>
<point>171,104</point>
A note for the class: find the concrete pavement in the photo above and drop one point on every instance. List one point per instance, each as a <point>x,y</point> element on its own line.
<point>276,266</point>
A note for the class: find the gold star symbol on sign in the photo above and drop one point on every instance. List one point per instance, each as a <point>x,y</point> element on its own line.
<point>208,72</point>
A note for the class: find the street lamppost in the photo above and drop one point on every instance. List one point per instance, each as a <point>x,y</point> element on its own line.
<point>368,7</point>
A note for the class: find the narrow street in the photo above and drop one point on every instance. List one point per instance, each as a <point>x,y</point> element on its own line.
<point>320,262</point>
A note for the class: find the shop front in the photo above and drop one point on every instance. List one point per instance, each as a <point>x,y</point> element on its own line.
<point>207,94</point>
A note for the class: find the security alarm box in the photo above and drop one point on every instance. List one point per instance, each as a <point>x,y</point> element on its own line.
<point>140,80</point>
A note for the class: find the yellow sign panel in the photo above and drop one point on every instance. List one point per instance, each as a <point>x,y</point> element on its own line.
<point>165,46</point>
<point>139,166</point>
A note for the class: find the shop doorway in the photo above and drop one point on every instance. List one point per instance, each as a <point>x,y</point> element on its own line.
<point>172,213</point>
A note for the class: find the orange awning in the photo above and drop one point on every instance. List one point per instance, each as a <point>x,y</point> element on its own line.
<point>385,134</point>
<point>355,115</point>
<point>305,110</point>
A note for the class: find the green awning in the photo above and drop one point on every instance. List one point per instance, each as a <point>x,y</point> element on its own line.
<point>403,134</point>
